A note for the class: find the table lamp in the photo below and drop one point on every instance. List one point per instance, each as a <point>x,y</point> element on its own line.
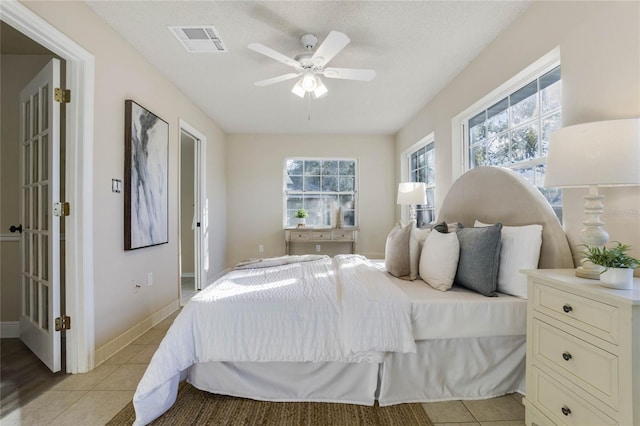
<point>603,153</point>
<point>412,194</point>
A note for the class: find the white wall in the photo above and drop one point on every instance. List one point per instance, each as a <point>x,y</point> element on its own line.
<point>255,204</point>
<point>600,56</point>
<point>121,73</point>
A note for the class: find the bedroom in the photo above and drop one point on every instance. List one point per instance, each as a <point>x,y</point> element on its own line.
<point>600,69</point>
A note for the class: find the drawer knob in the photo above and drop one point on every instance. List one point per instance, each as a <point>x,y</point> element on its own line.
<point>567,356</point>
<point>567,308</point>
<point>566,410</point>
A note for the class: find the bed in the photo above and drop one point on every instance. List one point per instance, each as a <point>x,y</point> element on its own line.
<point>408,343</point>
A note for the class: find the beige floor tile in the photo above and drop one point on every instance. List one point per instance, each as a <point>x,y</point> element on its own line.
<point>448,412</point>
<point>144,355</point>
<point>518,397</point>
<point>126,377</point>
<point>501,408</point>
<point>86,381</point>
<point>95,408</point>
<point>504,423</point>
<point>457,424</point>
<point>151,337</point>
<point>166,323</point>
<point>124,355</point>
<point>43,409</point>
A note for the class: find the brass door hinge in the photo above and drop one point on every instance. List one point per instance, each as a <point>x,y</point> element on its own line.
<point>63,323</point>
<point>62,95</point>
<point>61,209</point>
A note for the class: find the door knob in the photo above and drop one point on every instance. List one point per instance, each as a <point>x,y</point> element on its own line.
<point>16,228</point>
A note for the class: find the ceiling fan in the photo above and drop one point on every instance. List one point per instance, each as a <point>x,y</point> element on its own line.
<point>310,65</point>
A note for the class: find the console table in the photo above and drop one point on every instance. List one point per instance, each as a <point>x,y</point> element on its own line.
<point>321,235</point>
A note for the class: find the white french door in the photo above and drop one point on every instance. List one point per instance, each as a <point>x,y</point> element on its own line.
<point>39,190</point>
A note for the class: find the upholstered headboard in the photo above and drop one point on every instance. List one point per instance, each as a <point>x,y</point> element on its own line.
<point>493,194</point>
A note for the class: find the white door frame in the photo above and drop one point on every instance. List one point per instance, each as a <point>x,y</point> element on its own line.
<point>80,79</point>
<point>200,201</point>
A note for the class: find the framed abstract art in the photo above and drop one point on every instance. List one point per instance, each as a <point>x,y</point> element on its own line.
<point>146,178</point>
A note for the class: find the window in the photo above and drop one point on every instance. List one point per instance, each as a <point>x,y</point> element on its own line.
<point>514,132</point>
<point>422,169</point>
<point>321,187</point>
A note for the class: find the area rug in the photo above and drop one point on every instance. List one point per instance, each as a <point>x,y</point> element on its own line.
<point>196,407</point>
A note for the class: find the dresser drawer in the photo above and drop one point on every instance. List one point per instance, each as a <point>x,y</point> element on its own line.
<point>591,316</point>
<point>321,236</point>
<point>561,404</point>
<point>590,367</point>
<point>343,235</point>
<point>299,236</point>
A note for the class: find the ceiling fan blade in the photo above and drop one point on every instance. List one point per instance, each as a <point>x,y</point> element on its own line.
<point>277,79</point>
<point>330,47</point>
<point>349,74</point>
<point>267,51</point>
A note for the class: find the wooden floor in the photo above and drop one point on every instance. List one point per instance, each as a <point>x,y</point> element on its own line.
<point>22,376</point>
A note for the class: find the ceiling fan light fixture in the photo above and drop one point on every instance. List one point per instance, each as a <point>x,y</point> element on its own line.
<point>309,82</point>
<point>298,90</point>
<point>321,90</point>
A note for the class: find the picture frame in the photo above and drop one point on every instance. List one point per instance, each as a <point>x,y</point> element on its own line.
<point>146,178</point>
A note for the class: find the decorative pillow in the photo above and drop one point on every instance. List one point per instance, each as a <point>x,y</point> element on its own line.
<point>439,260</point>
<point>396,251</point>
<point>479,259</point>
<point>441,227</point>
<point>416,242</point>
<point>520,250</point>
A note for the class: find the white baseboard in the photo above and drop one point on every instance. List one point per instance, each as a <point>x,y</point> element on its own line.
<point>111,348</point>
<point>9,329</point>
<point>187,275</point>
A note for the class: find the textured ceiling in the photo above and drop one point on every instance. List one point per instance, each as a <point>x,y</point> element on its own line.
<point>415,47</point>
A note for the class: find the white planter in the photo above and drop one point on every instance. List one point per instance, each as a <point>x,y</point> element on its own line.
<point>301,222</point>
<point>618,278</point>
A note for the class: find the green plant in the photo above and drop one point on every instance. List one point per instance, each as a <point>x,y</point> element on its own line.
<point>610,257</point>
<point>301,214</point>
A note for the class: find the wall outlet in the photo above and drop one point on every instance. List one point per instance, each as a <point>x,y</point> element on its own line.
<point>135,286</point>
<point>318,248</point>
<point>261,248</point>
<point>149,279</point>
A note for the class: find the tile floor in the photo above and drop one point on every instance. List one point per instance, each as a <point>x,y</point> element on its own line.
<point>95,397</point>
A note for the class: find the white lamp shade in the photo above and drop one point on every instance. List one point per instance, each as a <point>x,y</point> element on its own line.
<point>604,153</point>
<point>412,193</point>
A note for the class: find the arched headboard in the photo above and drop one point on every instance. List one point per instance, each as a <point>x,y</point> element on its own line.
<point>494,194</point>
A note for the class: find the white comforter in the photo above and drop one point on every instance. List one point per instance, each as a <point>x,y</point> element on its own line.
<point>340,309</point>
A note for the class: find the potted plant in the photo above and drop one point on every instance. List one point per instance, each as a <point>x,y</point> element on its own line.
<point>618,266</point>
<point>301,214</point>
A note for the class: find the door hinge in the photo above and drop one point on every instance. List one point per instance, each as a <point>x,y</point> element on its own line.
<point>62,95</point>
<point>61,209</point>
<point>63,323</point>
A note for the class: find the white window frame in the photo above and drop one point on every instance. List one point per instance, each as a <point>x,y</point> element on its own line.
<point>405,169</point>
<point>459,134</point>
<point>286,192</point>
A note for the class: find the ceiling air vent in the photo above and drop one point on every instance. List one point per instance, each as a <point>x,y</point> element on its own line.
<point>201,38</point>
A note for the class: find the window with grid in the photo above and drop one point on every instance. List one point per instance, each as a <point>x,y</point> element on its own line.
<point>320,186</point>
<point>514,132</point>
<point>422,169</point>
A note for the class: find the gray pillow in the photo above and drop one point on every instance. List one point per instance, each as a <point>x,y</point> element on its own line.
<point>479,259</point>
<point>396,251</point>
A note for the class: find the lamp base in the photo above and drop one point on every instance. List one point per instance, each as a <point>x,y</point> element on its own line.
<point>587,273</point>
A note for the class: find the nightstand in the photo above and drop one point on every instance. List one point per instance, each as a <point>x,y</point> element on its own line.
<point>583,351</point>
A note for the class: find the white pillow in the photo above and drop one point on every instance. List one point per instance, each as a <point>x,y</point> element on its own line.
<point>520,250</point>
<point>396,251</point>
<point>416,242</point>
<point>439,260</point>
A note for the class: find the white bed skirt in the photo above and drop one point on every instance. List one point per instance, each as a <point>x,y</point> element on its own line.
<point>443,369</point>
<point>451,369</point>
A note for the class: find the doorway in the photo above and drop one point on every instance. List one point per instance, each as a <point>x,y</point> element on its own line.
<point>78,177</point>
<point>192,218</point>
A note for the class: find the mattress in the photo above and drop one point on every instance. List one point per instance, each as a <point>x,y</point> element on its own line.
<point>460,312</point>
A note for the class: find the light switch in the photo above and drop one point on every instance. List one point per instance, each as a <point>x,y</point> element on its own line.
<point>116,185</point>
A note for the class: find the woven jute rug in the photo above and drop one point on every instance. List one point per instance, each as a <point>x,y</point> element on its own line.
<point>196,407</point>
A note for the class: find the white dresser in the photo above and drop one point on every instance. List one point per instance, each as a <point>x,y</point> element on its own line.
<point>583,351</point>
